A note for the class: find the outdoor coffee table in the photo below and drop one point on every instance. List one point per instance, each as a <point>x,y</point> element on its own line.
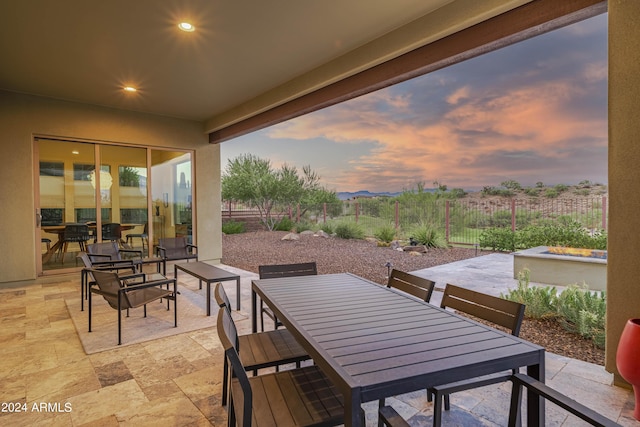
<point>208,273</point>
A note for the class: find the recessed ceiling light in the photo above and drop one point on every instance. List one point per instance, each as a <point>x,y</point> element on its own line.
<point>186,26</point>
<point>130,89</point>
<point>75,152</point>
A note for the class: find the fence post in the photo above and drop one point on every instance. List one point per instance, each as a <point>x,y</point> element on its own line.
<point>397,214</point>
<point>513,215</point>
<point>324,212</point>
<point>357,211</point>
<point>446,221</point>
<point>604,212</point>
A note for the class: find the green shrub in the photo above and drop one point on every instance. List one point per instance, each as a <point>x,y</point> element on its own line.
<point>385,234</point>
<point>540,301</point>
<point>303,226</point>
<point>583,312</point>
<point>285,224</point>
<point>233,227</point>
<point>561,188</point>
<point>327,227</point>
<point>578,310</point>
<point>428,235</point>
<point>498,239</point>
<point>551,193</point>
<point>349,230</point>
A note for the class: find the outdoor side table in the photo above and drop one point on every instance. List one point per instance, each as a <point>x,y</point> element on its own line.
<point>208,273</point>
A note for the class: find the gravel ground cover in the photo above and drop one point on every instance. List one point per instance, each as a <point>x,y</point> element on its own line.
<point>364,258</point>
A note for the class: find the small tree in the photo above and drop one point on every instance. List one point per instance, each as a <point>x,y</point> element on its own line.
<point>253,180</point>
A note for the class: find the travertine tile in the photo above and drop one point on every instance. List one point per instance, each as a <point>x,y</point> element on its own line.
<point>57,384</point>
<point>106,401</point>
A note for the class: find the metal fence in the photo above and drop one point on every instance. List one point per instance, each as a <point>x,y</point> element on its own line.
<point>461,221</point>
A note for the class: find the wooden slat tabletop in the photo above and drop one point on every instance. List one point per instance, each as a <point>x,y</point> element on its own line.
<point>376,342</point>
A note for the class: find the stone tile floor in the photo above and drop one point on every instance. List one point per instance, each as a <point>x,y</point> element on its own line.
<point>47,379</point>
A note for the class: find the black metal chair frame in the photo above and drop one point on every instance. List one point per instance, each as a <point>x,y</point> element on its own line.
<point>86,280</point>
<point>540,389</point>
<point>164,251</point>
<point>127,287</point>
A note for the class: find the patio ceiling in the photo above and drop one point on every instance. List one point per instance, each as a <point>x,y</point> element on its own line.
<point>85,51</point>
<point>244,58</point>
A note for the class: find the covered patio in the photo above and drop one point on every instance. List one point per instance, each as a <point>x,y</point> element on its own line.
<point>63,77</point>
<point>178,379</point>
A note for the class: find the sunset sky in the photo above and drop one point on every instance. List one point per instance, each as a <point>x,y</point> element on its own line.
<point>534,111</point>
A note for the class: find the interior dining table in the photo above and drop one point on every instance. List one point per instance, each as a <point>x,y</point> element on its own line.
<point>375,342</point>
<point>59,230</point>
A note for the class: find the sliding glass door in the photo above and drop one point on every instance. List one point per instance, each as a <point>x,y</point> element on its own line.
<point>76,180</point>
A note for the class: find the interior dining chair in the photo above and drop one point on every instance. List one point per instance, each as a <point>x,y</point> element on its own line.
<point>112,231</point>
<point>414,285</point>
<point>498,311</point>
<point>308,399</point>
<point>260,350</point>
<point>74,233</point>
<point>124,294</point>
<point>144,236</point>
<point>282,270</point>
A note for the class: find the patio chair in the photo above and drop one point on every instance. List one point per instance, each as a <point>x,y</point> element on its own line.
<point>260,350</point>
<point>387,416</point>
<point>111,252</point>
<point>308,397</point>
<point>176,248</point>
<point>124,294</point>
<point>282,270</point>
<point>501,312</point>
<point>87,280</point>
<point>417,286</point>
<point>584,413</point>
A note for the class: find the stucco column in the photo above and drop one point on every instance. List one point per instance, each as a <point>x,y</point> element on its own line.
<point>623,269</point>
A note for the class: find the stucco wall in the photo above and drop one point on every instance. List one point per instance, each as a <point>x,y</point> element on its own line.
<point>23,116</point>
<point>623,273</point>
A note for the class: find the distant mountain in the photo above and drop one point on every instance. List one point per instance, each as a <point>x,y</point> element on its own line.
<point>345,195</point>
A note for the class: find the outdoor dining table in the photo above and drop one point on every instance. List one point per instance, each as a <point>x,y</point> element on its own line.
<point>374,342</point>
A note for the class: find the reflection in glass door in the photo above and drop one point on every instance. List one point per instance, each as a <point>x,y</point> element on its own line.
<point>66,193</point>
<point>171,195</point>
<point>72,190</point>
<point>126,200</point>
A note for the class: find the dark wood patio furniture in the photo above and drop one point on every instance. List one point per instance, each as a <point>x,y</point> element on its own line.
<point>124,294</point>
<point>296,397</point>
<point>387,416</point>
<point>208,273</point>
<point>499,311</point>
<point>414,285</point>
<point>261,349</point>
<point>540,389</point>
<point>282,270</point>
